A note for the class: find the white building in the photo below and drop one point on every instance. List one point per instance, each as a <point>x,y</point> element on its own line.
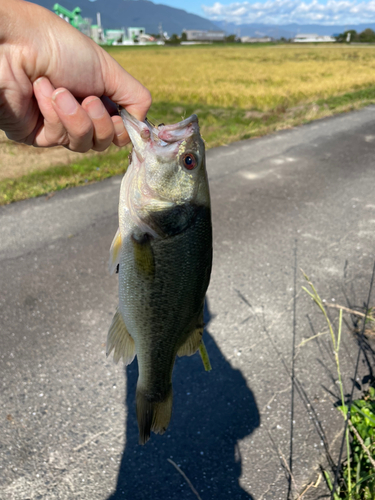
<point>205,36</point>
<point>312,38</point>
<point>250,39</point>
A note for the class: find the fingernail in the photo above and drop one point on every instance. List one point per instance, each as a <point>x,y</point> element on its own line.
<point>119,128</point>
<point>65,102</point>
<point>96,109</point>
<point>44,86</point>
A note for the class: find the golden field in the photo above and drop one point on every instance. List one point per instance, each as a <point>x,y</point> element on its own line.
<point>238,92</point>
<point>249,77</point>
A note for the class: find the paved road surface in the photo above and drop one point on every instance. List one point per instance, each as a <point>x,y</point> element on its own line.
<point>297,199</point>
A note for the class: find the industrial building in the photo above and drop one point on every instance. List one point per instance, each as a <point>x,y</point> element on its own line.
<point>129,36</point>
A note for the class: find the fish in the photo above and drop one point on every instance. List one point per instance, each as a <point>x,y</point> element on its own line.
<point>163,253</point>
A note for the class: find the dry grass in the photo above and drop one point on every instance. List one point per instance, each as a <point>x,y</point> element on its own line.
<point>17,160</point>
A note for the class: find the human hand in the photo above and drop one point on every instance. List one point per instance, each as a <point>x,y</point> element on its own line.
<point>57,86</point>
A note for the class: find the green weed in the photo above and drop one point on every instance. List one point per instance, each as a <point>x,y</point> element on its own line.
<point>357,481</point>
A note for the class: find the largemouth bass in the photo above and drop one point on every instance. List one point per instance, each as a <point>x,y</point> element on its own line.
<point>163,253</point>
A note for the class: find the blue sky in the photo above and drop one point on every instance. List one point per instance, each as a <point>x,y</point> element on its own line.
<point>280,11</point>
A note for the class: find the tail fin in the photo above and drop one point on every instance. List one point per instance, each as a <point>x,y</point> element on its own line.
<point>153,416</point>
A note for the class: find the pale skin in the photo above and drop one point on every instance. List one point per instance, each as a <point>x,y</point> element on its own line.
<point>54,81</point>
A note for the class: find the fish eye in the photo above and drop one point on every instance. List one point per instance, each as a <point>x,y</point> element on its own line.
<point>189,161</point>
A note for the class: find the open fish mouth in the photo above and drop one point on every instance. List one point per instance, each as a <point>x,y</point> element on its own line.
<point>179,131</point>
<point>162,134</point>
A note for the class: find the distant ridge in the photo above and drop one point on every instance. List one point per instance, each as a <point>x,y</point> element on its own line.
<point>142,13</point>
<point>289,30</point>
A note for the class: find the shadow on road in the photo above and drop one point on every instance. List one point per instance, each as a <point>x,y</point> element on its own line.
<point>211,412</point>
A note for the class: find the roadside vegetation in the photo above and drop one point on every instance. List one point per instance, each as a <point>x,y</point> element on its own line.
<point>356,475</point>
<point>238,91</point>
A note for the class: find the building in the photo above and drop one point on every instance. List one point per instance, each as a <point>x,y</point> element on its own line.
<point>250,39</point>
<point>135,33</point>
<point>312,38</point>
<point>205,36</point>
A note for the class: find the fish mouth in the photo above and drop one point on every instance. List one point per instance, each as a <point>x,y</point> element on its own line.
<point>179,131</point>
<point>162,135</point>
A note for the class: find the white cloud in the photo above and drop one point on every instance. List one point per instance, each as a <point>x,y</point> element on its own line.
<point>293,11</point>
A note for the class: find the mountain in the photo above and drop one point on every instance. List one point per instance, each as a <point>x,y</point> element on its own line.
<point>146,14</point>
<point>138,13</point>
<point>288,30</point>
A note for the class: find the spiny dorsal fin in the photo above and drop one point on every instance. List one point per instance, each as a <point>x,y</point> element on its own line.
<point>114,252</point>
<point>120,340</point>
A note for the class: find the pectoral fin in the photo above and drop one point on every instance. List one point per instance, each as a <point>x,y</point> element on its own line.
<point>143,255</point>
<point>114,252</point>
<point>120,340</point>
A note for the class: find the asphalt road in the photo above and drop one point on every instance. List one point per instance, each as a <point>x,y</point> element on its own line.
<point>303,198</point>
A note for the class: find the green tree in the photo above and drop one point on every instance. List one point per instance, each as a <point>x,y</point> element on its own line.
<point>174,38</point>
<point>343,37</point>
<point>367,36</point>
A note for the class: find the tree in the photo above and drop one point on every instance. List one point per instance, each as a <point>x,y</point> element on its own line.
<point>347,36</point>
<point>174,39</point>
<point>367,36</point>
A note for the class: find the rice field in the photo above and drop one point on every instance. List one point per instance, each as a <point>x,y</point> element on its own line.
<point>238,92</point>
<point>248,77</point>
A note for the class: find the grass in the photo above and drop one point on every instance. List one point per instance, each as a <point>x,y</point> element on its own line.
<point>357,478</point>
<point>362,448</point>
<point>238,92</point>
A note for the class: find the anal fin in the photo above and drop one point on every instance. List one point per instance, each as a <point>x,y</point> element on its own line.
<point>120,340</point>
